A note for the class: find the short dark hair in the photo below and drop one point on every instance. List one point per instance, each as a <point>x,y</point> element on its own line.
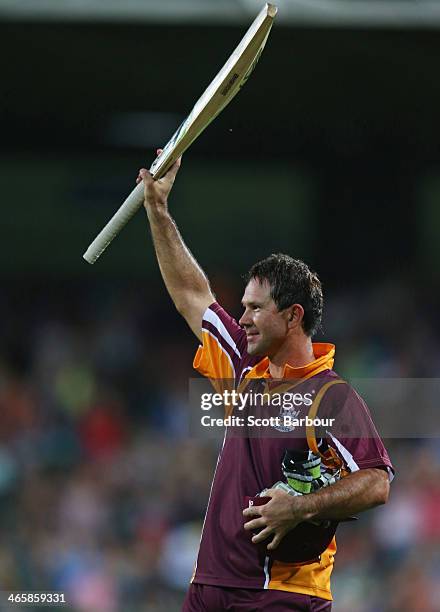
<point>291,282</point>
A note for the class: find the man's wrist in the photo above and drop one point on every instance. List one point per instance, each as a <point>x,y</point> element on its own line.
<point>304,507</point>
<point>158,212</point>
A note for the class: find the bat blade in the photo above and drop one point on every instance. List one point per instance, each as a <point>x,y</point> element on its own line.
<point>218,94</point>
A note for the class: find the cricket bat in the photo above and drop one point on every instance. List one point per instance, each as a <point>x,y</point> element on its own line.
<point>219,93</point>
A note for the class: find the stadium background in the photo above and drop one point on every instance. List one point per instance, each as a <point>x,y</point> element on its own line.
<point>331,153</point>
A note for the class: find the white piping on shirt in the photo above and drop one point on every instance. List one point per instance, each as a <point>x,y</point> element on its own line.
<point>213,318</point>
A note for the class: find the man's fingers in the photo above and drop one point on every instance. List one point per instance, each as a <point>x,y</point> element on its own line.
<point>263,535</point>
<point>139,176</point>
<point>274,544</point>
<point>145,176</point>
<point>252,511</point>
<point>255,524</point>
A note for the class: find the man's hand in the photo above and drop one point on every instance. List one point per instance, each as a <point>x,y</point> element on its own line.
<point>156,192</point>
<point>352,494</point>
<point>276,518</point>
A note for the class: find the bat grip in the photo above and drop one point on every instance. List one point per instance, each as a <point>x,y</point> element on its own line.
<point>124,213</point>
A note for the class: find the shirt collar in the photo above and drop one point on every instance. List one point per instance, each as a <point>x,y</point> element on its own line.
<point>324,358</point>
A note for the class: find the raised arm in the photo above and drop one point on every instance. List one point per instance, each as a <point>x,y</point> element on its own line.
<point>184,279</point>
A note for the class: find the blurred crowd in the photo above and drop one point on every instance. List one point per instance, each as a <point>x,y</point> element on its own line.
<point>102,487</point>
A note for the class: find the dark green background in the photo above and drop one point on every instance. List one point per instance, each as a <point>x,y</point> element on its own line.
<point>330,152</point>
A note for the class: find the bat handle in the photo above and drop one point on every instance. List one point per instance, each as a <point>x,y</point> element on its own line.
<point>124,213</point>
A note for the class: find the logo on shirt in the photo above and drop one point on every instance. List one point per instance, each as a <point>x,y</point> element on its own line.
<point>285,417</point>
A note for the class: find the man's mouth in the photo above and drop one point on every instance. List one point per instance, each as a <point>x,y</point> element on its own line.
<point>252,336</point>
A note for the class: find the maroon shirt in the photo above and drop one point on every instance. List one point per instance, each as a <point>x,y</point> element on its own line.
<point>250,460</point>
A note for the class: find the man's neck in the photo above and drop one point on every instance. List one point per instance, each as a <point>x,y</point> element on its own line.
<point>297,356</point>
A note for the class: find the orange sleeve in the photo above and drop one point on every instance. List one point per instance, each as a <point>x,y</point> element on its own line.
<point>211,360</point>
<point>223,345</point>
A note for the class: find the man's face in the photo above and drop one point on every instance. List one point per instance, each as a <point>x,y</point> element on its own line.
<point>266,327</point>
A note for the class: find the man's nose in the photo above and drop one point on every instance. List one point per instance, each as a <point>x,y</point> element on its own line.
<point>245,319</point>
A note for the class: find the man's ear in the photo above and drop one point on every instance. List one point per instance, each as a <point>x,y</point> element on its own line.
<point>295,315</point>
